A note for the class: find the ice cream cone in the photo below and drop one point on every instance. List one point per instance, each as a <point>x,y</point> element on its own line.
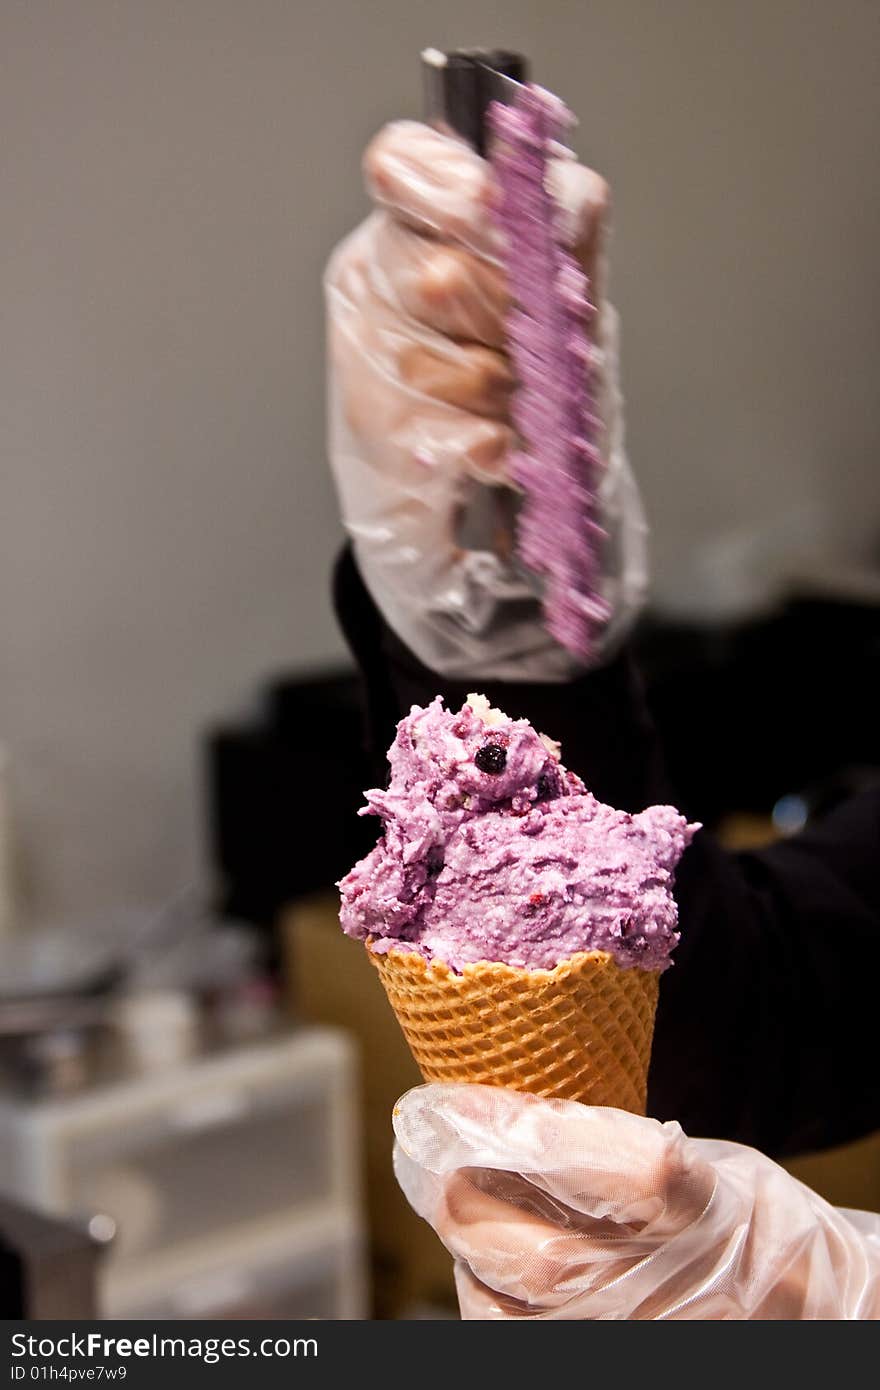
<point>581,1031</point>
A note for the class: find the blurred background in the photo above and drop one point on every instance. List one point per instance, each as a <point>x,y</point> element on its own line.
<point>197,1070</point>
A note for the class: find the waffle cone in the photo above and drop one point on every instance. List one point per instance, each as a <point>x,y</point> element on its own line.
<point>581,1031</point>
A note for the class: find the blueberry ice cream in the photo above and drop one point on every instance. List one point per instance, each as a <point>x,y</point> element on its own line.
<point>493,851</point>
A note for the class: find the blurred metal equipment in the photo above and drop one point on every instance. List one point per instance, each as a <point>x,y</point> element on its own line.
<point>461,83</point>
<point>225,1182</point>
<point>83,1000</point>
<point>48,1266</point>
<point>63,975</point>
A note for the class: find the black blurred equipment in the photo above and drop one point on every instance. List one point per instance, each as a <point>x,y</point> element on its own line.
<point>284,791</point>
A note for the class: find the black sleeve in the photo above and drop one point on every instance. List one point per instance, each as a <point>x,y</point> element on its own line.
<point>765,1030</point>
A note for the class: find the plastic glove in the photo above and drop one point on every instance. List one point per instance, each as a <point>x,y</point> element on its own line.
<point>419,412</point>
<point>557,1210</point>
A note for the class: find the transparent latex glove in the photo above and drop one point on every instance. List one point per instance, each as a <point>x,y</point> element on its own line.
<point>419,412</point>
<point>557,1210</point>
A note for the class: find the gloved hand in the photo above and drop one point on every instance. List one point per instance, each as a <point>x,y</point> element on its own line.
<point>419,412</point>
<point>560,1211</point>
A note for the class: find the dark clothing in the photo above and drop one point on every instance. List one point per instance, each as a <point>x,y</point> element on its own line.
<point>766,1030</point>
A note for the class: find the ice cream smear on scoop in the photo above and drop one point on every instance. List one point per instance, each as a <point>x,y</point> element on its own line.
<point>556,407</point>
<point>493,851</point>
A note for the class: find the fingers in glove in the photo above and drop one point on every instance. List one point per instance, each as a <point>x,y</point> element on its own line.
<point>414,409</point>
<point>597,1161</point>
<point>555,1210</point>
<point>471,378</point>
<point>434,182</point>
<point>584,200</point>
<point>437,183</point>
<point>526,1248</point>
<point>440,284</point>
<point>371,339</point>
<point>479,1303</point>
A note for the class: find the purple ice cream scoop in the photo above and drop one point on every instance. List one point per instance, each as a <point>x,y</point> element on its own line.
<point>493,851</point>
<point>555,412</point>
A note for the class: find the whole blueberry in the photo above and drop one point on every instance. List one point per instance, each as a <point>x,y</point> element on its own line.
<point>491,758</point>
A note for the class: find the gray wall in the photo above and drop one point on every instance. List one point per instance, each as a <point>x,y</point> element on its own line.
<point>173,175</point>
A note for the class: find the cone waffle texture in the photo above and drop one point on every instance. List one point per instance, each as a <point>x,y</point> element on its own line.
<point>581,1031</point>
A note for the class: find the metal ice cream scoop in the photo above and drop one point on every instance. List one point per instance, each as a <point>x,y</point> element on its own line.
<point>459,87</point>
<point>461,83</point>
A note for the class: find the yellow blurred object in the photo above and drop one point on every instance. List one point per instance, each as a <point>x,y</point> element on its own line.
<point>744,830</point>
<point>846,1177</point>
<point>330,980</point>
